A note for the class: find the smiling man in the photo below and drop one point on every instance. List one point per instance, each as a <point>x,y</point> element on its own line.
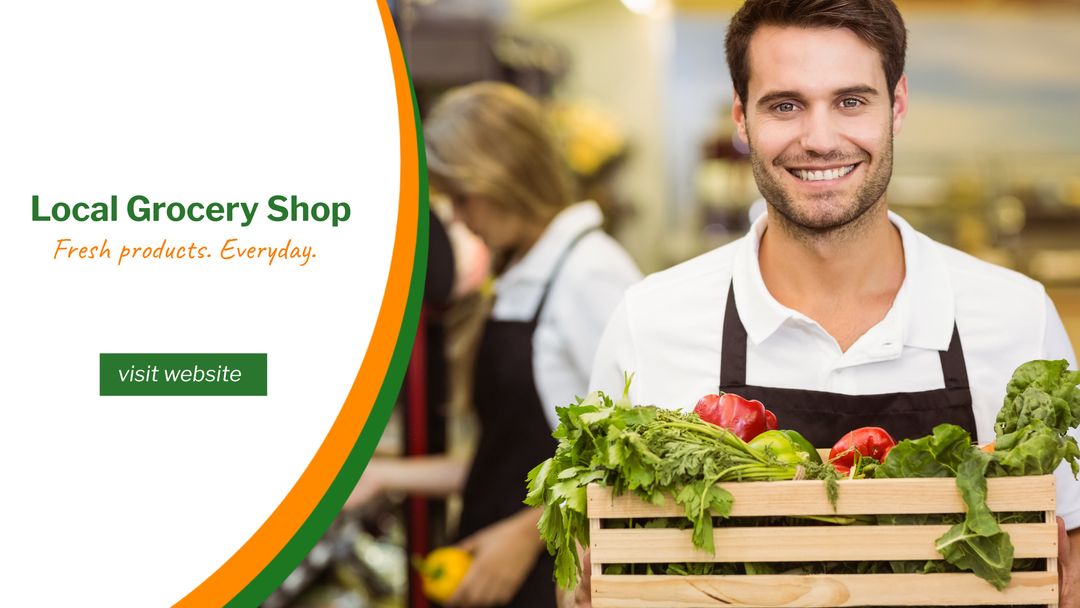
<point>833,311</point>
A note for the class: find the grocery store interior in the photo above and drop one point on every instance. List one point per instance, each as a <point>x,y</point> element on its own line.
<point>988,162</point>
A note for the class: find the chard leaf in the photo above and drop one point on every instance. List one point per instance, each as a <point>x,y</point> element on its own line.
<point>989,557</point>
<point>950,445</point>
<point>971,481</point>
<point>977,544</point>
<point>935,455</point>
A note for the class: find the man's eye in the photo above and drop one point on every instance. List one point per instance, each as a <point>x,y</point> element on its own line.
<point>785,107</point>
<point>850,103</point>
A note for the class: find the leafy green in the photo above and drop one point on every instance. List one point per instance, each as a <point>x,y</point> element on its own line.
<point>652,452</point>
<point>1041,390</point>
<point>659,455</point>
<point>978,543</point>
<point>698,499</point>
<point>936,455</point>
<point>1035,449</point>
<point>989,557</point>
<point>1042,402</point>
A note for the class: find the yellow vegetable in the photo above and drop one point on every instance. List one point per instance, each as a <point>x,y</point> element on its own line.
<point>442,571</point>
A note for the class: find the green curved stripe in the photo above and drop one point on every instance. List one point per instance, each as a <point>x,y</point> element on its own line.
<point>328,508</point>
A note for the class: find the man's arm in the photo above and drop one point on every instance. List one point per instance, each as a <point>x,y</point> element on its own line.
<point>1056,345</point>
<point>1068,567</point>
<point>615,356</point>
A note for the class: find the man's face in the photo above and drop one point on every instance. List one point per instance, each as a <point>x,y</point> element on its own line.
<point>819,124</point>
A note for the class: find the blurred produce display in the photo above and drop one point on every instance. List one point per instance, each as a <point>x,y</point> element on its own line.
<point>359,563</point>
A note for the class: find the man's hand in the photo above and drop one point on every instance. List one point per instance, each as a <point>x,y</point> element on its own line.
<point>1068,566</point>
<point>579,596</point>
<point>503,555</point>
<point>582,594</point>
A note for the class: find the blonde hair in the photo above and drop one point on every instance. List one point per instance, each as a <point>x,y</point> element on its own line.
<point>492,140</point>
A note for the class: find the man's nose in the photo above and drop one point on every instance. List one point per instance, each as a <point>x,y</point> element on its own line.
<point>820,133</point>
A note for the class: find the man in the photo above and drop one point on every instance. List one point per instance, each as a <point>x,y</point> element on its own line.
<point>832,311</point>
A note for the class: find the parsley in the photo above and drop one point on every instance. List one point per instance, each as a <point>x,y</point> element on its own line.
<point>652,452</point>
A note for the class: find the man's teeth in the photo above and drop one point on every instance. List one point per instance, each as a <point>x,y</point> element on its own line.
<point>817,176</point>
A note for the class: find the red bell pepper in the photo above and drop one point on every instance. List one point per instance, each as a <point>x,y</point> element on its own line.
<point>743,417</point>
<point>770,421</point>
<point>868,441</point>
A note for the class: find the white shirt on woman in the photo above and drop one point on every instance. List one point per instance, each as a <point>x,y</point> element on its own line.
<point>587,289</point>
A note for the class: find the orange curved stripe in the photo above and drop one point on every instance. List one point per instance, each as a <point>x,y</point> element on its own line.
<point>285,521</point>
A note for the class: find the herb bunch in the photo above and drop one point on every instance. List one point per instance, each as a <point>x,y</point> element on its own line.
<point>652,452</point>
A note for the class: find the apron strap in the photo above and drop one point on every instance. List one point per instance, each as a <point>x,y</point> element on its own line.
<point>733,352</point>
<point>555,272</point>
<point>953,367</point>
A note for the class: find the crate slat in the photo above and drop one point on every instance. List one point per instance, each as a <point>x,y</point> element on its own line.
<point>1051,562</point>
<point>858,497</point>
<point>596,568</point>
<point>826,591</point>
<point>800,544</point>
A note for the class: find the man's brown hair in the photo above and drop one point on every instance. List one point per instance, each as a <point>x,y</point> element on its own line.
<point>876,22</point>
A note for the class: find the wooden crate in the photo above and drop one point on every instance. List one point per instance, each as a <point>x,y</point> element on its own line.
<point>820,544</point>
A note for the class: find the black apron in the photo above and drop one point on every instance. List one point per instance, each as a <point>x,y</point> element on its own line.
<point>514,436</point>
<point>823,417</point>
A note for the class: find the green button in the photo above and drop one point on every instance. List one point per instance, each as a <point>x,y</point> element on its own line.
<point>183,374</point>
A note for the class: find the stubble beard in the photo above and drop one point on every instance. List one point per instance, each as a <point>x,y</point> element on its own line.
<point>844,221</point>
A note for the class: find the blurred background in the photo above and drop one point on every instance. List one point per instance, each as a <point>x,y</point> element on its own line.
<point>988,162</point>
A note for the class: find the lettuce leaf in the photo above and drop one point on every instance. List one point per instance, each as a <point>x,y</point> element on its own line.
<point>1041,390</point>
<point>936,455</point>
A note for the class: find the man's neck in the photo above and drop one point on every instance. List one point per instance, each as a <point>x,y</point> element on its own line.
<point>845,280</point>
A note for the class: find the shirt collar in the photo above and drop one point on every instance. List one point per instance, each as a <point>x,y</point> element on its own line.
<point>538,264</point>
<point>931,306</point>
<point>761,314</point>
<point>923,313</point>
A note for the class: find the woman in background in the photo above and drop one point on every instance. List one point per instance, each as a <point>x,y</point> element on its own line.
<point>558,278</point>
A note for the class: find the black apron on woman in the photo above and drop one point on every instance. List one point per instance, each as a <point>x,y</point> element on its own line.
<point>823,417</point>
<point>514,436</point>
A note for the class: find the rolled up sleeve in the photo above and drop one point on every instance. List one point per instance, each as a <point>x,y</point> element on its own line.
<point>1056,345</point>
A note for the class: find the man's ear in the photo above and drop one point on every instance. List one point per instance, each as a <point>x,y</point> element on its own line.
<point>738,114</point>
<point>900,104</point>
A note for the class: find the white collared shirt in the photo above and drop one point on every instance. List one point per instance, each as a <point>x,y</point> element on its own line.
<point>590,284</point>
<point>668,331</point>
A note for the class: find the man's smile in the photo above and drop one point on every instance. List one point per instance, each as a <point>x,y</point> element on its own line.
<point>829,174</point>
